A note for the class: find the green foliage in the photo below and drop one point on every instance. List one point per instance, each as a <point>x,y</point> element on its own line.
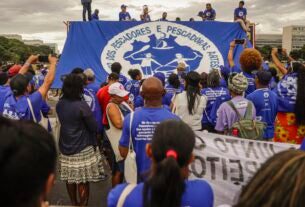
<point>16,51</point>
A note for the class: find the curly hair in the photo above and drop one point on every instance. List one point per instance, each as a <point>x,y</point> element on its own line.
<point>250,60</point>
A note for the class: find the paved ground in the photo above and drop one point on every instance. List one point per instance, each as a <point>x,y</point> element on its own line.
<point>98,194</point>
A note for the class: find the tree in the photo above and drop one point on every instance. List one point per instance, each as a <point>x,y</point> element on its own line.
<point>16,51</point>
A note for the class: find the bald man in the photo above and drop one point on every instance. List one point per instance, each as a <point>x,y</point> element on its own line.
<point>144,123</point>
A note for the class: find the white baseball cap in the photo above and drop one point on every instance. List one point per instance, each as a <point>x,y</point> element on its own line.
<point>118,89</point>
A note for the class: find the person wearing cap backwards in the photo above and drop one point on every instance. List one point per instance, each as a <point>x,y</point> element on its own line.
<point>208,14</point>
<point>145,17</point>
<point>16,105</point>
<point>116,111</point>
<point>171,153</point>
<point>265,102</point>
<point>124,15</point>
<point>144,122</point>
<point>226,115</point>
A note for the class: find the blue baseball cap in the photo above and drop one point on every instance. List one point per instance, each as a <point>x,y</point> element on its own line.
<point>123,6</point>
<point>160,76</point>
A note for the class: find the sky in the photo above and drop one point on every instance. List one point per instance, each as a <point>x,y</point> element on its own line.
<point>43,19</point>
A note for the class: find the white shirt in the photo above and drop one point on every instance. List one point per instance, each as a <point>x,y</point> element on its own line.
<point>180,104</point>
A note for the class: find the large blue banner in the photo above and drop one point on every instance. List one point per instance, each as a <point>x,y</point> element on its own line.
<point>152,47</point>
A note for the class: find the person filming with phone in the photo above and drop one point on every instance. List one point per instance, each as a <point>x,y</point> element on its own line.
<point>21,105</point>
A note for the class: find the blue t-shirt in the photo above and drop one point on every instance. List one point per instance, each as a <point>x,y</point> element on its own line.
<point>170,89</point>
<point>240,13</point>
<point>122,79</point>
<point>93,87</point>
<point>219,93</point>
<point>133,86</point>
<point>5,91</point>
<point>198,193</point>
<point>38,80</point>
<point>124,16</point>
<point>91,100</point>
<point>144,123</point>
<point>19,109</point>
<point>286,91</point>
<point>210,14</point>
<point>166,100</point>
<point>250,78</point>
<point>94,17</point>
<point>266,105</point>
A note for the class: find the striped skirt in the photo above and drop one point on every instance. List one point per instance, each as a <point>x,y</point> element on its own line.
<point>86,166</point>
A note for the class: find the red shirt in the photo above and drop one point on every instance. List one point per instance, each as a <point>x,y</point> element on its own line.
<point>103,98</point>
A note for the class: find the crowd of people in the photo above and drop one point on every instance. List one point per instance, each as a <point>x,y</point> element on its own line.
<point>209,14</point>
<point>144,128</point>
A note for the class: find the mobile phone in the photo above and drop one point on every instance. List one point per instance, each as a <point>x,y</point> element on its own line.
<point>240,41</point>
<point>43,58</point>
<point>280,50</point>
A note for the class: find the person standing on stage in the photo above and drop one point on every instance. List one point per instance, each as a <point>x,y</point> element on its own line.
<point>240,15</point>
<point>124,15</point>
<point>209,14</point>
<point>87,8</point>
<point>145,17</point>
<point>164,17</point>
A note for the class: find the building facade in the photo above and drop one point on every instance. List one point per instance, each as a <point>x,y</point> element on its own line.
<point>293,37</point>
<point>272,40</point>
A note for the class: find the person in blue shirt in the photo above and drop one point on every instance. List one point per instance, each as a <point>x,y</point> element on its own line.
<point>164,17</point>
<point>166,99</point>
<point>91,82</point>
<point>145,17</point>
<point>16,105</point>
<point>38,78</point>
<point>5,89</point>
<point>250,61</point>
<point>95,16</point>
<point>171,153</point>
<point>208,14</point>
<point>133,86</point>
<point>240,16</point>
<point>117,68</point>
<point>173,86</point>
<point>290,121</point>
<point>216,95</point>
<point>265,102</point>
<point>144,123</point>
<point>124,15</point>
